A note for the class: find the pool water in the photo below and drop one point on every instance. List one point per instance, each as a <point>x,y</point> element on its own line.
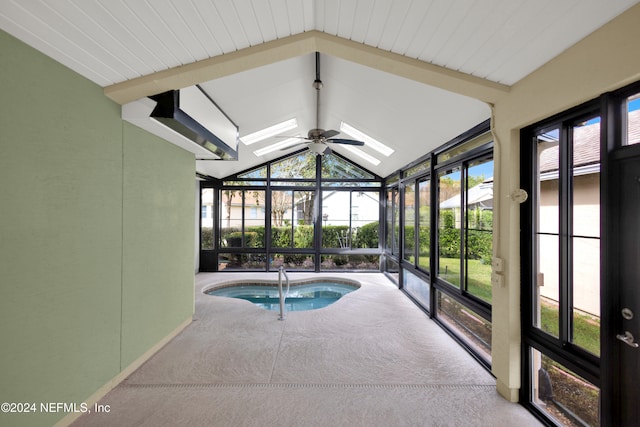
<point>306,296</point>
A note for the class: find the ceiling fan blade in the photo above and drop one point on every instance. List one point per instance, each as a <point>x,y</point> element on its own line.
<point>329,133</point>
<point>345,141</point>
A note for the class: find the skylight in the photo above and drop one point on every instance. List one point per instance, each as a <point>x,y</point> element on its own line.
<point>265,133</point>
<point>277,146</point>
<point>362,154</point>
<point>369,141</point>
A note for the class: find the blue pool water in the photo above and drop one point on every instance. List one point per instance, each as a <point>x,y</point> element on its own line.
<point>305,296</point>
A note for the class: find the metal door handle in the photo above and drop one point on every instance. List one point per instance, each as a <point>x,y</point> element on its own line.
<point>628,339</point>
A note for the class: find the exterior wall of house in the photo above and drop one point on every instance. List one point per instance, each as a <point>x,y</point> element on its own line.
<point>586,275</point>
<point>96,236</point>
<point>601,62</point>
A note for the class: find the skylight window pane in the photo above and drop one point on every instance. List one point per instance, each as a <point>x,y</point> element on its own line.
<point>265,133</point>
<point>369,141</point>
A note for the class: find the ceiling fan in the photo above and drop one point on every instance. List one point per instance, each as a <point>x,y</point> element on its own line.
<point>317,138</point>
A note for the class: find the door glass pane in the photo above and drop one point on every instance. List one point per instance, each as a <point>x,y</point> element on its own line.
<point>586,294</point>
<point>547,286</point>
<point>479,215</point>
<point>548,214</point>
<point>206,222</point>
<point>335,219</point>
<point>303,218</point>
<point>546,307</point>
<point>449,222</point>
<point>586,235</point>
<point>424,223</point>
<point>633,120</point>
<point>365,219</point>
<point>409,221</point>
<point>563,395</point>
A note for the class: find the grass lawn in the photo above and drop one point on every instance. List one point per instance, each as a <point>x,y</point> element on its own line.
<point>478,279</point>
<point>586,329</point>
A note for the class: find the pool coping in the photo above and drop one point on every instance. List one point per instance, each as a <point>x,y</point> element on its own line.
<point>270,282</point>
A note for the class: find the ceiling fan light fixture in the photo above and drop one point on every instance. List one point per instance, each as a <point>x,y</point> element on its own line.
<point>270,131</point>
<point>318,148</point>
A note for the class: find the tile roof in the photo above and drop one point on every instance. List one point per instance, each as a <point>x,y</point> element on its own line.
<point>586,149</point>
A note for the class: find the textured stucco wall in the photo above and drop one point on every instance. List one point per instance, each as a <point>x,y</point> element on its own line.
<point>96,235</point>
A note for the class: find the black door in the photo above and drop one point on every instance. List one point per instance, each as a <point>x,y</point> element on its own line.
<point>624,275</point>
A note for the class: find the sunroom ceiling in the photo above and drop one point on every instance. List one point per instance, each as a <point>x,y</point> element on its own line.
<point>489,44</point>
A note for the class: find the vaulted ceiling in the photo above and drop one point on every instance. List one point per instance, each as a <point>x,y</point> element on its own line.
<point>410,73</point>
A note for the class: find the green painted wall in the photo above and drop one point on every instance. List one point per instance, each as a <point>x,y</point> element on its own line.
<point>157,286</point>
<point>96,235</point>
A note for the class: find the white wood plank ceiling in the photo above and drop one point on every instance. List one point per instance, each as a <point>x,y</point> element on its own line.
<point>112,41</point>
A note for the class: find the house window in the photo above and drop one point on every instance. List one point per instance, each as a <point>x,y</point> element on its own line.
<point>561,268</point>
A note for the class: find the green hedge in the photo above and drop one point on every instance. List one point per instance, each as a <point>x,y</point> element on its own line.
<point>367,236</point>
<point>479,244</point>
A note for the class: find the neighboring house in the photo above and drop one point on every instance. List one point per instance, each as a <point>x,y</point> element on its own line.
<point>586,208</point>
<point>365,208</point>
<point>206,208</point>
<point>232,211</point>
<point>478,197</point>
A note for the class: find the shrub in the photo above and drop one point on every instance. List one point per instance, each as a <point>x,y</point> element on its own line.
<point>234,239</point>
<point>206,238</point>
<point>449,240</point>
<point>281,237</point>
<point>479,245</point>
<point>332,235</point>
<point>447,218</point>
<point>258,239</point>
<point>367,236</point>
<point>303,236</point>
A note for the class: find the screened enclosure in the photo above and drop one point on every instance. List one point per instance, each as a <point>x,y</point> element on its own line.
<point>428,226</point>
<point>303,211</point>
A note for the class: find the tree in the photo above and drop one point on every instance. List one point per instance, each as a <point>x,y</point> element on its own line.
<point>229,195</point>
<point>280,202</point>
